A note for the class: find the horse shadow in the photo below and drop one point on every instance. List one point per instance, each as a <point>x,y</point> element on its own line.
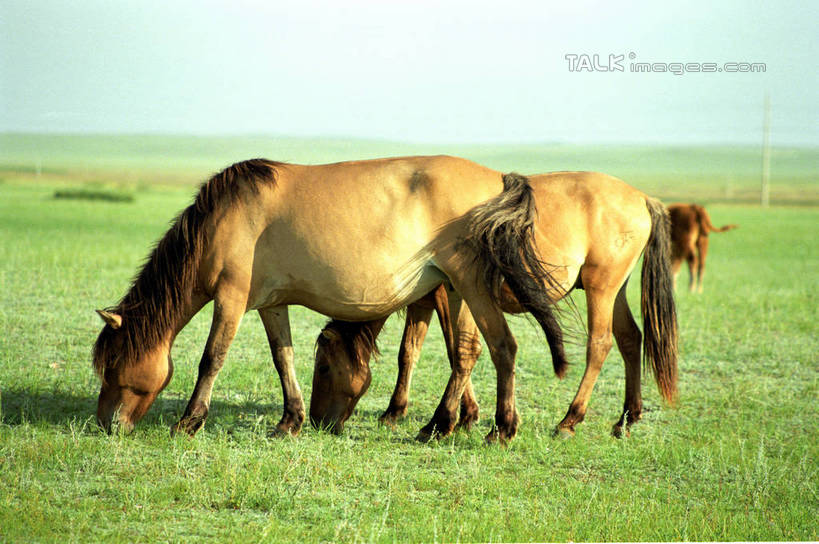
<point>71,410</point>
<point>60,408</point>
<point>404,432</point>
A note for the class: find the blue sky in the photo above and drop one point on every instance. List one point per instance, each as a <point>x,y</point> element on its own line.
<point>410,71</point>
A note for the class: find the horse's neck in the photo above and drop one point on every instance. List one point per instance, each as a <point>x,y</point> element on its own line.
<point>196,303</point>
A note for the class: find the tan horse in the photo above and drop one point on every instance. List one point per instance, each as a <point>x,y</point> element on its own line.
<point>591,229</point>
<point>354,241</point>
<point>690,226</point>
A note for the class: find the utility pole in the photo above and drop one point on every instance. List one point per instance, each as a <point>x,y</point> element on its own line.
<point>765,193</point>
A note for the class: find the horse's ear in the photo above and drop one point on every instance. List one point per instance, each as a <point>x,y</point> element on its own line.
<point>331,334</point>
<point>114,320</point>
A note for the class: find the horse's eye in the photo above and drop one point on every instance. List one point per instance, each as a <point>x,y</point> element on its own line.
<point>324,369</point>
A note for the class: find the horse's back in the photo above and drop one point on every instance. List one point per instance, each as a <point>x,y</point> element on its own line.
<point>355,239</point>
<point>589,190</point>
<point>584,209</point>
<point>385,188</point>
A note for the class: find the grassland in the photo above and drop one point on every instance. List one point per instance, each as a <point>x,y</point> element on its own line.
<point>708,173</point>
<point>736,460</point>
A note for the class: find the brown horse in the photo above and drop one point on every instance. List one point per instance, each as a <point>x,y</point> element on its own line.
<point>343,384</point>
<point>591,229</point>
<point>690,226</point>
<point>354,241</point>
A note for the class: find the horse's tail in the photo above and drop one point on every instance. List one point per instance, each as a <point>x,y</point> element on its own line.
<point>502,236</point>
<point>660,331</point>
<point>705,222</point>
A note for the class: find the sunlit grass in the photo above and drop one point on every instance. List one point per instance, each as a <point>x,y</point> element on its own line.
<point>736,460</point>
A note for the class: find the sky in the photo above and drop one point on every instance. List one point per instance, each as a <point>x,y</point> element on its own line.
<point>419,71</point>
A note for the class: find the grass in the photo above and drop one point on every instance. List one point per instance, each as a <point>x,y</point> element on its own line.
<point>736,460</point>
<point>710,173</point>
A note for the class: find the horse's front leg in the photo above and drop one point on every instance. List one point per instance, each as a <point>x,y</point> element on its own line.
<point>277,325</point>
<point>228,309</point>
<point>415,330</point>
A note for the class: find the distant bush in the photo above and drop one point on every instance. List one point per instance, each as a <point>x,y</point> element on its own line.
<point>94,194</point>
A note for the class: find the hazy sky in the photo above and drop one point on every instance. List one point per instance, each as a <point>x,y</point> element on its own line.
<point>410,71</point>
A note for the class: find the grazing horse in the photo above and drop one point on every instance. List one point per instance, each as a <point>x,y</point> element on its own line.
<point>591,230</point>
<point>354,241</point>
<point>690,226</point>
<point>353,343</point>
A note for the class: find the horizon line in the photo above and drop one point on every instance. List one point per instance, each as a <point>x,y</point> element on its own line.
<point>388,141</point>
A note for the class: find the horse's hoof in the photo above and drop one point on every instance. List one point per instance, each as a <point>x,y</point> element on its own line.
<point>618,431</point>
<point>466,424</point>
<point>389,419</point>
<point>563,432</point>
<point>438,427</point>
<point>284,430</point>
<point>467,420</point>
<point>288,427</point>
<point>499,438</point>
<point>188,426</point>
<point>430,431</point>
<point>424,436</point>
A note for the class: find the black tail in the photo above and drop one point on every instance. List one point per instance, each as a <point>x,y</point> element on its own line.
<point>502,234</point>
<point>660,332</point>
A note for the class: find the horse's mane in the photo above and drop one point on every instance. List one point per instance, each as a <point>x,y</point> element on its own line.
<point>358,338</point>
<point>163,287</point>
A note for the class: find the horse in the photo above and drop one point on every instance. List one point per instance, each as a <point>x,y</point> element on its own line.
<point>355,343</point>
<point>591,229</point>
<point>690,226</point>
<point>353,241</point>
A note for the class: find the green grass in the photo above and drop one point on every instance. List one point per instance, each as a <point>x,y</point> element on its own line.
<point>736,460</point>
<point>710,173</point>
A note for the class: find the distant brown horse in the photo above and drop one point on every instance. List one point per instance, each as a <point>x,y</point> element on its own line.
<point>354,241</point>
<point>690,226</point>
<point>591,230</point>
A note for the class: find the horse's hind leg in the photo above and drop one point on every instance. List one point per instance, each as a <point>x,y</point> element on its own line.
<point>629,340</point>
<point>503,349</point>
<point>228,309</point>
<point>416,327</point>
<point>277,326</point>
<point>600,307</point>
<point>702,249</point>
<point>415,330</point>
<point>691,259</point>
<point>462,360</point>
<point>469,406</point>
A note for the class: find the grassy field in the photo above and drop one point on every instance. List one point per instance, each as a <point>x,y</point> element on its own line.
<point>709,173</point>
<point>736,460</point>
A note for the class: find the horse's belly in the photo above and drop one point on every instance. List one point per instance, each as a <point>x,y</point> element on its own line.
<point>353,298</point>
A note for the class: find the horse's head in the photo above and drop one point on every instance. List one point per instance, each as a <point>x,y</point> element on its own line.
<point>341,374</point>
<point>131,378</point>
